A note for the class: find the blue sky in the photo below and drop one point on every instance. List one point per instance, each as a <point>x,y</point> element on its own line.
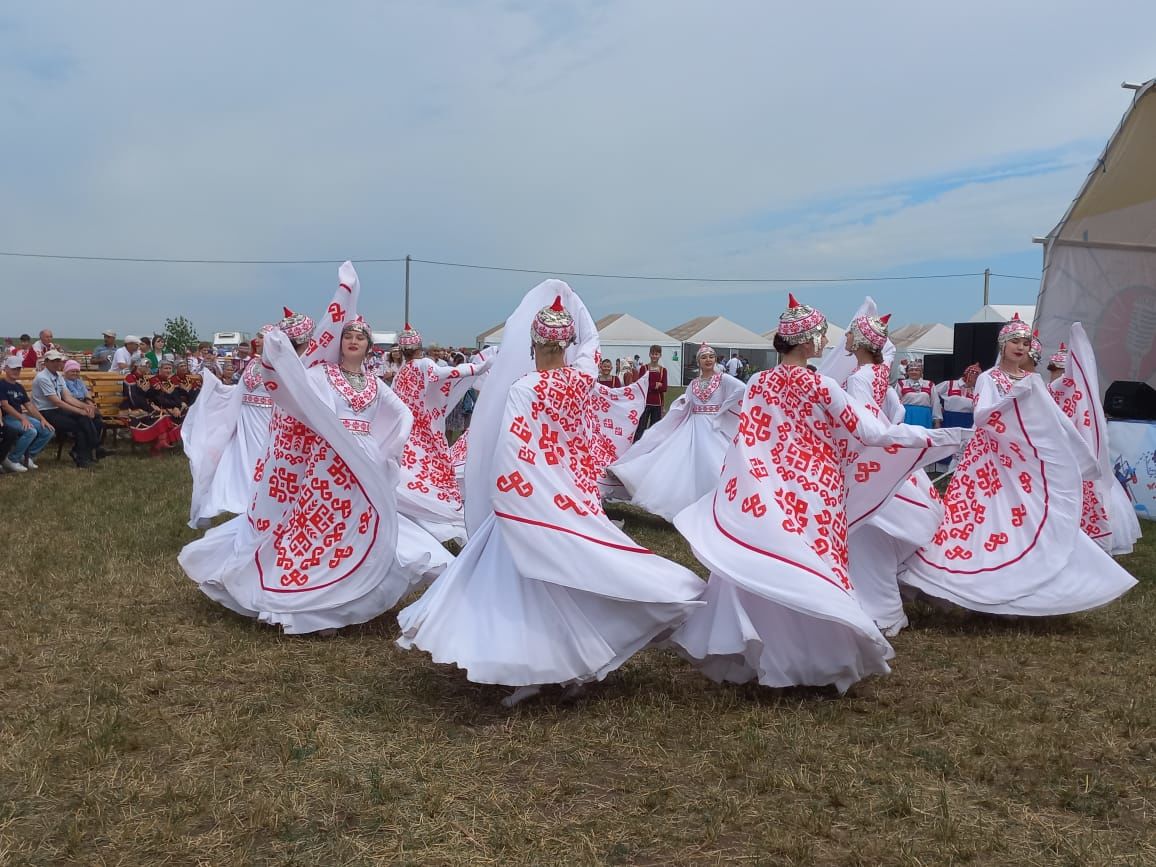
<point>737,139</point>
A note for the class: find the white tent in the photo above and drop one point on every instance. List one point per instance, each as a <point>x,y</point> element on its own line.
<point>1100,260</point>
<point>1004,313</point>
<point>934,339</point>
<point>726,337</point>
<point>624,336</point>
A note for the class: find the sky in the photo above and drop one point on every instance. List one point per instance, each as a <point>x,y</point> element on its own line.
<point>736,139</point>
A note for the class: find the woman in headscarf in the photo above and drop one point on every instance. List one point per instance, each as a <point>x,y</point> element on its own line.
<point>547,590</point>
<point>148,421</point>
<point>680,458</point>
<point>1010,540</point>
<point>78,388</point>
<point>808,462</point>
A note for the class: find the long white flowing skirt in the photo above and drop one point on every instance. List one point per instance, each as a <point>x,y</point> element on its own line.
<point>221,562</point>
<point>874,559</point>
<point>741,636</point>
<point>678,470</point>
<point>232,486</point>
<point>1121,517</point>
<point>768,618</point>
<point>503,627</point>
<point>1090,579</point>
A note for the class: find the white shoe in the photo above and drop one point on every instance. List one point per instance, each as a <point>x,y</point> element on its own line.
<point>13,467</point>
<point>520,694</point>
<point>31,464</point>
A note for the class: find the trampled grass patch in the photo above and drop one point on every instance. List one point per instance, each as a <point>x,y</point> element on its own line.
<point>142,724</point>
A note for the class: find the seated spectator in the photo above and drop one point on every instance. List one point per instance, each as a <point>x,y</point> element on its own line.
<point>44,344</point>
<point>185,384</point>
<point>243,356</point>
<point>69,416</point>
<point>165,394</point>
<point>207,358</point>
<point>228,371</point>
<point>148,422</point>
<point>21,418</point>
<point>102,355</point>
<point>124,359</point>
<point>392,365</point>
<point>26,352</point>
<point>79,389</point>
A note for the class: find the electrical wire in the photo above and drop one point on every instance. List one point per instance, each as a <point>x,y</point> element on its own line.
<point>508,269</point>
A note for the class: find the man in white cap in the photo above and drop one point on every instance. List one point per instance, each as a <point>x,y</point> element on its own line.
<point>125,357</point>
<point>102,355</point>
<point>64,412</point>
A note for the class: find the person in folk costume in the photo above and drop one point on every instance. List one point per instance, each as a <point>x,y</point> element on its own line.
<point>226,432</point>
<point>1056,365</point>
<point>187,385</point>
<point>918,396</point>
<point>148,421</point>
<point>1108,516</point>
<point>957,398</point>
<point>881,542</point>
<point>1010,540</point>
<point>1034,355</point>
<point>166,394</point>
<point>808,461</point>
<point>428,491</point>
<point>321,545</point>
<point>679,459</point>
<point>547,589</point>
<point>606,375</point>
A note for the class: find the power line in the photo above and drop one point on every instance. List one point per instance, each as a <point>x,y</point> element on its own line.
<point>189,261</point>
<point>709,279</point>
<point>507,269</point>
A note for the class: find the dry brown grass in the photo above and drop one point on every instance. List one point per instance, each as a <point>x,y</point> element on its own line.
<point>142,724</point>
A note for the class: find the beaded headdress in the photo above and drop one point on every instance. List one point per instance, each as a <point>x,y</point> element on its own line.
<point>1015,328</point>
<point>1036,349</point>
<point>553,324</point>
<point>297,327</point>
<point>704,349</point>
<point>800,323</point>
<point>1060,358</point>
<point>358,324</point>
<point>869,331</point>
<point>409,338</point>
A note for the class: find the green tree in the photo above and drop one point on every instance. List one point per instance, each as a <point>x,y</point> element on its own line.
<point>180,335</point>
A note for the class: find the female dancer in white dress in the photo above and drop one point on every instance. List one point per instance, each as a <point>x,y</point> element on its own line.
<point>807,460</point>
<point>679,459</point>
<point>321,545</point>
<point>881,542</point>
<point>1108,516</point>
<point>547,590</point>
<point>428,490</point>
<point>1010,540</point>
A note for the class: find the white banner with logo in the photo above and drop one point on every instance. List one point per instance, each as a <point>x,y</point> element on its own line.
<point>1132,452</point>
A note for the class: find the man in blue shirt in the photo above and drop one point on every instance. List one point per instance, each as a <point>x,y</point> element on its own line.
<point>102,355</point>
<point>21,418</point>
<point>64,412</point>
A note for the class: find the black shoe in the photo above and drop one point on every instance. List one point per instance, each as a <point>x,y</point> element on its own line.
<point>100,453</point>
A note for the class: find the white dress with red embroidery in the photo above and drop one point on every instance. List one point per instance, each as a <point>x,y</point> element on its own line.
<point>225,433</point>
<point>1108,516</point>
<point>428,489</point>
<point>679,459</point>
<point>547,590</point>
<point>879,545</point>
<point>807,462</point>
<point>614,415</point>
<point>1010,542</point>
<point>321,545</point>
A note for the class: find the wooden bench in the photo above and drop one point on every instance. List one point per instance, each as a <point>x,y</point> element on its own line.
<point>107,392</point>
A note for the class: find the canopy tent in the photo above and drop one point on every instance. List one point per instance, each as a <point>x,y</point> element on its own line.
<point>925,339</point>
<point>725,337</point>
<point>1004,313</point>
<point>625,336</point>
<point>491,336</point>
<point>1100,260</point>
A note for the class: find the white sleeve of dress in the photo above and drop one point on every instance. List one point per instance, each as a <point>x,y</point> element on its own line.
<point>862,425</point>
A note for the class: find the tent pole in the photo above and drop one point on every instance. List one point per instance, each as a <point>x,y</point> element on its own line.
<point>986,283</point>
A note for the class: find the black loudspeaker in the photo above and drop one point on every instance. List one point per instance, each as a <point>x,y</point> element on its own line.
<point>975,343</point>
<point>1135,400</point>
<point>937,367</point>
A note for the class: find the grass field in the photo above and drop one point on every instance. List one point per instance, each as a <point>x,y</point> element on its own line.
<point>142,724</point>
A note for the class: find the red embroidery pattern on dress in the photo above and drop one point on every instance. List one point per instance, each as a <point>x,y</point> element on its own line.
<point>427,451</point>
<point>357,400</point>
<point>704,388</point>
<point>252,376</point>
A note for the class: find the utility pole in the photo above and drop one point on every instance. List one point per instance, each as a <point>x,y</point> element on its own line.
<point>986,282</point>
<point>406,323</point>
